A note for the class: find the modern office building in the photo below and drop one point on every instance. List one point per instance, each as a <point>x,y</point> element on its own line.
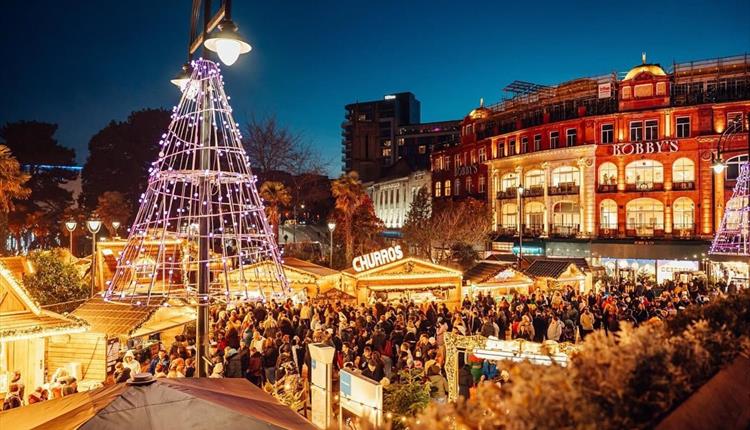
<point>369,133</point>
<point>608,164</point>
<point>415,142</point>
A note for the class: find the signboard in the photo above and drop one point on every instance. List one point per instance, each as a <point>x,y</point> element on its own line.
<point>605,90</point>
<point>377,258</point>
<point>360,400</point>
<point>113,353</point>
<point>636,148</point>
<point>321,361</point>
<point>466,170</point>
<point>529,250</point>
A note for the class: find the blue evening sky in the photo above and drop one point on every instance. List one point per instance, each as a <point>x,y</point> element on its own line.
<point>81,64</point>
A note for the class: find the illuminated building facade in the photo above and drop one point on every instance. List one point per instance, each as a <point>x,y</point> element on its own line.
<point>610,163</point>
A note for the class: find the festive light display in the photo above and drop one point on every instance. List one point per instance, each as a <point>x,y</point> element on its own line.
<point>201,216</point>
<point>732,237</point>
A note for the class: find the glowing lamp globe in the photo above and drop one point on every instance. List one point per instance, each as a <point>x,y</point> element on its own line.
<point>182,78</point>
<point>227,43</point>
<point>718,166</point>
<point>93,225</point>
<point>331,225</point>
<point>71,225</point>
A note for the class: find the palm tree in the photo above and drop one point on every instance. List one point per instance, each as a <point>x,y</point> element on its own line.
<point>349,195</point>
<point>12,180</point>
<point>275,195</point>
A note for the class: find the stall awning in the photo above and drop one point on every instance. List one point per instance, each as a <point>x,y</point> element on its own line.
<point>27,325</point>
<point>165,319</point>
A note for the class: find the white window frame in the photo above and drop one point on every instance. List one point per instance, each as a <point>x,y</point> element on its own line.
<point>610,132</point>
<point>650,131</point>
<point>537,142</point>
<point>678,127</point>
<point>636,138</point>
<point>568,135</point>
<point>553,144</point>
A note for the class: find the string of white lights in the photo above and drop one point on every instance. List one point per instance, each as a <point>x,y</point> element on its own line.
<point>200,190</point>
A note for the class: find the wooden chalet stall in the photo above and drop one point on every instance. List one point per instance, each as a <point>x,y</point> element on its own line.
<point>495,279</point>
<point>26,330</point>
<point>305,279</point>
<point>551,274</point>
<point>112,328</point>
<point>409,278</point>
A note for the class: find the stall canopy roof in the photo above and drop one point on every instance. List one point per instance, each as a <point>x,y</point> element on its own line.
<point>548,268</point>
<point>308,267</point>
<point>126,320</point>
<point>483,271</point>
<point>226,403</point>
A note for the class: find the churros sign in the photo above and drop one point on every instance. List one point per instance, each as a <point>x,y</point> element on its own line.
<point>377,258</point>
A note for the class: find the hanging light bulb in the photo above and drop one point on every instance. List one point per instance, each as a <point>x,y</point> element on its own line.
<point>182,78</point>
<point>227,42</point>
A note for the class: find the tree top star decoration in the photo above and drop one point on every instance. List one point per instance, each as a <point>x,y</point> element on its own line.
<point>201,233</point>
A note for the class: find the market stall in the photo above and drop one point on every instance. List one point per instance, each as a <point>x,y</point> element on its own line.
<point>305,279</point>
<point>25,330</point>
<point>113,329</point>
<point>334,295</point>
<point>553,274</point>
<point>496,280</point>
<point>407,278</point>
<point>493,349</point>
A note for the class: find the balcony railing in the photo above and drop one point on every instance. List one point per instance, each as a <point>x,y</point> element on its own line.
<point>563,189</point>
<point>507,231</point>
<point>684,232</point>
<point>508,193</point>
<point>534,191</point>
<point>564,230</point>
<point>645,186</point>
<point>608,232</point>
<point>683,186</point>
<point>635,230</point>
<point>607,188</point>
<point>533,230</point>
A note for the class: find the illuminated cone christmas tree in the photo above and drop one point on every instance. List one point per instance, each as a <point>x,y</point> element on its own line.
<point>201,233</point>
<point>732,237</point>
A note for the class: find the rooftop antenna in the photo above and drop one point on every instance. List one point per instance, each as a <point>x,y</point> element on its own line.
<point>643,57</point>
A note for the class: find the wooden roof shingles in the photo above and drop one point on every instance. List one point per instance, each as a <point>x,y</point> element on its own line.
<point>112,318</point>
<point>483,271</point>
<point>18,325</point>
<point>547,268</point>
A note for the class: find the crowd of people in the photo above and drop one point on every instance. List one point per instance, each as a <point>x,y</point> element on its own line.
<point>266,342</point>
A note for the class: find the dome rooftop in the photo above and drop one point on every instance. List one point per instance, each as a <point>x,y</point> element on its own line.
<point>653,69</point>
<point>481,112</point>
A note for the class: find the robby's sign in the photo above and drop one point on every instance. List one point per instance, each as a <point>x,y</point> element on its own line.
<point>377,258</point>
<point>635,148</point>
<point>467,170</point>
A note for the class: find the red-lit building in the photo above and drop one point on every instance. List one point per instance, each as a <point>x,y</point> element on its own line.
<point>609,164</point>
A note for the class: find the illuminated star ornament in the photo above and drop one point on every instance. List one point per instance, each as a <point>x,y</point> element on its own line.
<point>201,221</point>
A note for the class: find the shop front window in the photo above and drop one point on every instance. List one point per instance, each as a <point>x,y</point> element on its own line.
<point>509,182</point>
<point>509,218</point>
<point>566,218</point>
<point>683,173</point>
<point>645,216</point>
<point>644,175</point>
<point>607,175</point>
<point>565,175</point>
<point>447,188</point>
<point>533,182</point>
<point>534,214</point>
<point>608,215</point>
<point>683,211</point>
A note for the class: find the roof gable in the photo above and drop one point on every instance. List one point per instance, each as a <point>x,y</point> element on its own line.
<point>408,266</point>
<point>553,269</point>
<point>13,295</point>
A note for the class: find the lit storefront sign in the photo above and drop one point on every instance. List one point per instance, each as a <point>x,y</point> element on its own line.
<point>636,148</point>
<point>466,170</point>
<point>377,258</point>
<point>529,250</point>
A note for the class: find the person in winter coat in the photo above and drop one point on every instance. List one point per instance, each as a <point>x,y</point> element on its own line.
<point>232,363</point>
<point>438,384</point>
<point>122,373</point>
<point>13,398</point>
<point>255,367</point>
<point>587,323</point>
<point>465,381</point>
<point>554,330</point>
<point>130,362</point>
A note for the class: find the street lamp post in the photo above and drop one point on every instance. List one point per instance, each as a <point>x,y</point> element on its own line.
<point>520,226</point>
<point>71,225</point>
<point>331,227</point>
<point>93,225</point>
